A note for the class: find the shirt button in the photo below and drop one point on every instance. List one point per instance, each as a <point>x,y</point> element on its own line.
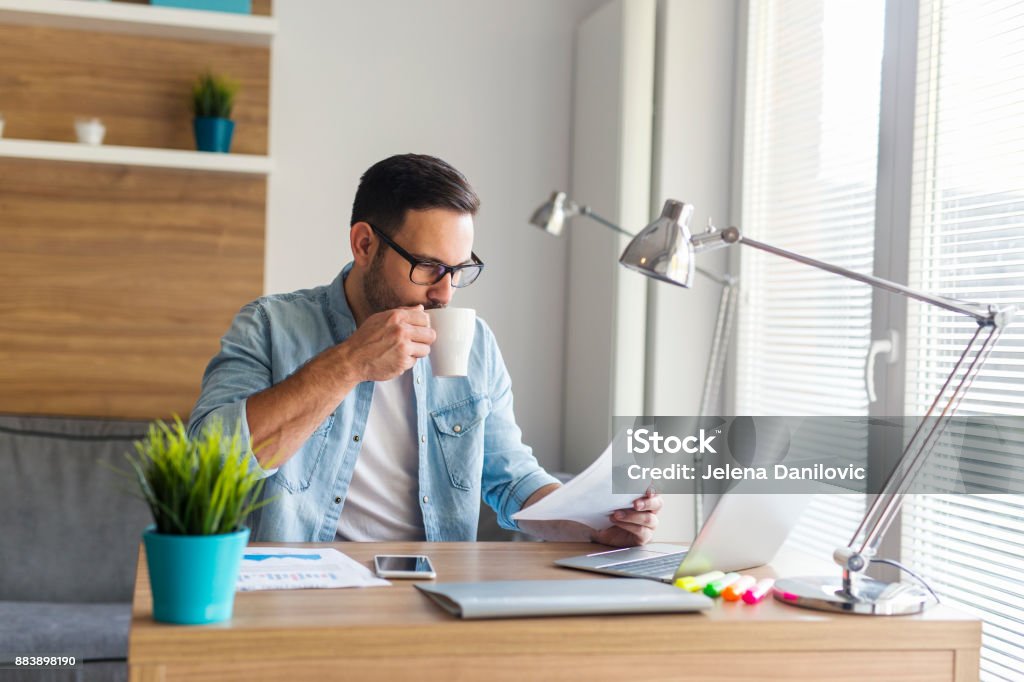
<point>426,499</point>
<point>457,428</point>
<point>423,439</point>
<point>337,500</point>
<point>356,438</point>
<point>418,380</point>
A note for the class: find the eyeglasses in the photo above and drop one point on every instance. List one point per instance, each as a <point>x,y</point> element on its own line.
<point>428,272</point>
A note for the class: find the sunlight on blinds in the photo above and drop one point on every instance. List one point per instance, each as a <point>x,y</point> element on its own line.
<point>809,167</point>
<point>967,241</point>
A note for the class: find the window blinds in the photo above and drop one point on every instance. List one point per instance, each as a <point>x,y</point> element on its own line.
<point>967,241</point>
<point>809,167</point>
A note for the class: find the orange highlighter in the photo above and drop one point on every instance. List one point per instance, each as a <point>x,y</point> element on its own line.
<point>735,591</point>
<point>715,587</point>
<point>758,591</point>
<point>696,583</point>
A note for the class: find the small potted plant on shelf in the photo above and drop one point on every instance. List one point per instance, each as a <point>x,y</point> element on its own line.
<point>200,491</point>
<point>213,98</point>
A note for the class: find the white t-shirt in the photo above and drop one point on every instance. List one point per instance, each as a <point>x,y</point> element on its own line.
<point>383,498</point>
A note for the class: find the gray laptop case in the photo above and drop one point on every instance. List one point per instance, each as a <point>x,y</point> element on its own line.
<point>520,598</point>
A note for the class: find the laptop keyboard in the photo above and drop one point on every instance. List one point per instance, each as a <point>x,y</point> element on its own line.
<point>655,567</point>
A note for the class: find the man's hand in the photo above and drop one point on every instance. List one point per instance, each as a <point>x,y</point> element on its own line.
<point>387,344</point>
<point>635,527</point>
<point>632,526</point>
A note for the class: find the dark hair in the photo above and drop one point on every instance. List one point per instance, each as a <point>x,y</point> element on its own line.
<point>407,182</point>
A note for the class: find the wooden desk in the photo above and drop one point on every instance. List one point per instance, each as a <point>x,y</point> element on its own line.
<point>396,633</point>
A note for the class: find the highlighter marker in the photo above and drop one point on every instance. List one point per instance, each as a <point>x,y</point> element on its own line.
<point>696,583</point>
<point>758,591</point>
<point>715,587</point>
<point>736,590</point>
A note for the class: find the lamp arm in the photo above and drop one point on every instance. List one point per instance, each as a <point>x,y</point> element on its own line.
<point>857,555</point>
<point>719,346</point>
<point>732,235</point>
<point>887,503</point>
<point>587,211</point>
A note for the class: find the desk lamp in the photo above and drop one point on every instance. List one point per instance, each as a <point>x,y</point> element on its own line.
<point>665,250</point>
<point>551,217</point>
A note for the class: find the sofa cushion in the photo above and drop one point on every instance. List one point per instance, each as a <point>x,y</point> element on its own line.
<point>86,631</point>
<point>70,529</point>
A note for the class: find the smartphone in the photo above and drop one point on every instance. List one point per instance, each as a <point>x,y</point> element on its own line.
<point>403,566</point>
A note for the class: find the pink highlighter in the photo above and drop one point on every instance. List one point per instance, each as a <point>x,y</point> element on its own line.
<point>736,591</point>
<point>758,591</point>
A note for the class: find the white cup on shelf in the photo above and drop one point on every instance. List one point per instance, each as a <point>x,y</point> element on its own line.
<point>1,125</point>
<point>89,130</point>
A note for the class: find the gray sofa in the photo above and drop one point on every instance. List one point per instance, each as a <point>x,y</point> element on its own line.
<point>68,544</point>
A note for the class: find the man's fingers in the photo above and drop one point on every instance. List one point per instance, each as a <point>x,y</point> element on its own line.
<point>419,350</point>
<point>421,334</point>
<point>650,502</point>
<point>642,533</point>
<point>644,519</point>
<point>415,315</point>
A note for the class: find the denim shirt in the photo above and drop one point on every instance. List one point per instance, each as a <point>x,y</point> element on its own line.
<point>469,444</point>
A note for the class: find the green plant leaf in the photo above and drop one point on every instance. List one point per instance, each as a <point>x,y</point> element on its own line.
<point>199,485</point>
<point>213,96</point>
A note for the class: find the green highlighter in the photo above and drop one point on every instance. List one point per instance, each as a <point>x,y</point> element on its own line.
<point>715,587</point>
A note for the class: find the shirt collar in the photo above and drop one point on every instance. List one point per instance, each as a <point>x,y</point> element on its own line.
<point>341,313</point>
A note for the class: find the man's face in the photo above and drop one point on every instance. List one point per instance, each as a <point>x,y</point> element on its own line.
<point>437,234</point>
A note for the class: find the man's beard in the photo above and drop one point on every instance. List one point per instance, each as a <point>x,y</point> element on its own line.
<point>379,295</point>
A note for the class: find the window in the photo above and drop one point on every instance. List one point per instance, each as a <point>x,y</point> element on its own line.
<point>967,241</point>
<point>812,140</point>
<point>809,174</point>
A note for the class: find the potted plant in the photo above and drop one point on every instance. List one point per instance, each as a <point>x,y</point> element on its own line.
<point>200,491</point>
<point>213,97</point>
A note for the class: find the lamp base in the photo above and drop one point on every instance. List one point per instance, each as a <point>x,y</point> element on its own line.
<point>873,598</point>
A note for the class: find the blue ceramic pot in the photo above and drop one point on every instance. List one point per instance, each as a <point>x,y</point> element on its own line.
<point>193,577</point>
<point>213,134</point>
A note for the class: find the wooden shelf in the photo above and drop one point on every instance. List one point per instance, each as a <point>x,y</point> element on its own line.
<point>161,22</point>
<point>135,156</point>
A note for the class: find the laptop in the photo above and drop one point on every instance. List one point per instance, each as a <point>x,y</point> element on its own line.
<point>743,531</point>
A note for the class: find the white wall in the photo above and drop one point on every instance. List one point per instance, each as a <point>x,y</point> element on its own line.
<point>483,84</point>
<point>693,163</point>
<point>613,101</point>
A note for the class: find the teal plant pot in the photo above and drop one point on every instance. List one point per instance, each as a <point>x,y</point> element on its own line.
<point>213,134</point>
<point>193,577</point>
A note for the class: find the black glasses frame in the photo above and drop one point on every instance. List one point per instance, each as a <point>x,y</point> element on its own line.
<point>445,268</point>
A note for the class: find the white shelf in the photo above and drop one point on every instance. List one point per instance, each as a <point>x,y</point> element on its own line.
<point>135,156</point>
<point>120,17</point>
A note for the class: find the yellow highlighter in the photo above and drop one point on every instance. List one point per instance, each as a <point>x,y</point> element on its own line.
<point>715,587</point>
<point>736,590</point>
<point>696,583</point>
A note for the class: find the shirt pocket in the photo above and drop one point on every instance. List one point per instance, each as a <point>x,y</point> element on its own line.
<point>460,432</point>
<point>297,473</point>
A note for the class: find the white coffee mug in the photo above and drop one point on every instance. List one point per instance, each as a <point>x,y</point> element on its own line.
<point>449,355</point>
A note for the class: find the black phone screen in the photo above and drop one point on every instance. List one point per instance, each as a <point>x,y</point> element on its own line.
<point>403,563</point>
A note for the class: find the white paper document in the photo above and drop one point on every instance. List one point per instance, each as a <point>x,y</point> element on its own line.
<point>588,498</point>
<point>291,568</point>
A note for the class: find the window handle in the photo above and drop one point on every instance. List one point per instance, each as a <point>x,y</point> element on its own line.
<point>891,348</point>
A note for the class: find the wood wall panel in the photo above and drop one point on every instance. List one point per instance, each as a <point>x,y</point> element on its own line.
<point>138,86</point>
<point>116,284</point>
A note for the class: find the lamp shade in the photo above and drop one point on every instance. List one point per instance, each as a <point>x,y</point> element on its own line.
<point>551,215</point>
<point>663,249</point>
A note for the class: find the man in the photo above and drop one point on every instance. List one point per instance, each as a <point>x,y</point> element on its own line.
<point>359,440</point>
